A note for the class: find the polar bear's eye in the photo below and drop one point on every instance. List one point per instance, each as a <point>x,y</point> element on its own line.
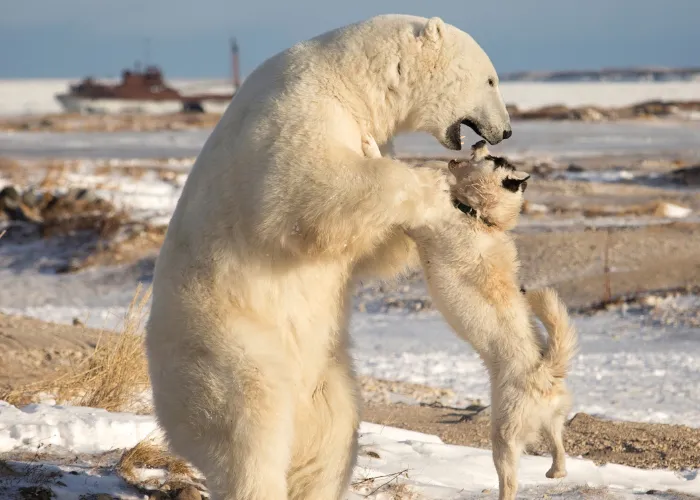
<point>491,82</point>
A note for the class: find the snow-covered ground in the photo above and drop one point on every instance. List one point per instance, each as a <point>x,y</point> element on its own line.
<point>389,457</point>
<point>35,96</point>
<point>631,366</point>
<point>628,367</point>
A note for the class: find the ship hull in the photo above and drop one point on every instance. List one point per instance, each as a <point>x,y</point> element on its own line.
<point>83,105</point>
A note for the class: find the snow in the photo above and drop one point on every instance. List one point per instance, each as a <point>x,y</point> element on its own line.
<point>628,368</point>
<point>440,471</point>
<point>77,429</point>
<point>429,468</point>
<point>674,211</point>
<point>528,95</point>
<point>35,96</point>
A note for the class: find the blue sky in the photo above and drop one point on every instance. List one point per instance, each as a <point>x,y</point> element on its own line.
<point>73,38</point>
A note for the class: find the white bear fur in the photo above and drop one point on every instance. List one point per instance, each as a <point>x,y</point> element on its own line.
<point>247,338</point>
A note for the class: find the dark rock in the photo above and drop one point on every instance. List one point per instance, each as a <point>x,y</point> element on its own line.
<point>575,168</point>
<point>690,176</point>
<point>36,493</point>
<point>9,197</point>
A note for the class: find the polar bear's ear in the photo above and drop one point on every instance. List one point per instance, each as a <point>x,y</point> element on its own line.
<point>434,29</point>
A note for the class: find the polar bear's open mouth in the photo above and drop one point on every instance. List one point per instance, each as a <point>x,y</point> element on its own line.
<point>453,133</point>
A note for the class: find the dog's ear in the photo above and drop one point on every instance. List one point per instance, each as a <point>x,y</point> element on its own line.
<point>516,180</point>
<point>458,168</point>
<point>479,151</point>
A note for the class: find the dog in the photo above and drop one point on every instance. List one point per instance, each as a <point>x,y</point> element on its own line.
<point>471,265</point>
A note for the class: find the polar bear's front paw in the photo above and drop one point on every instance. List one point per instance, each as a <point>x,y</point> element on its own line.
<point>433,200</point>
<point>370,147</point>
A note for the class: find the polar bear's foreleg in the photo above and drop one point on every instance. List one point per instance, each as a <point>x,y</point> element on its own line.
<point>352,204</point>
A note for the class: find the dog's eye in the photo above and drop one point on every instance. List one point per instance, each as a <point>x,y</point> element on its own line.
<point>491,82</point>
<point>511,185</point>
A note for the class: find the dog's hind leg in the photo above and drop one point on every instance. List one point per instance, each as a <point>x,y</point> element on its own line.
<point>554,434</point>
<point>506,454</point>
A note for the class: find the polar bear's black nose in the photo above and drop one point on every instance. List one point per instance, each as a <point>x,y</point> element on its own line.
<point>507,133</point>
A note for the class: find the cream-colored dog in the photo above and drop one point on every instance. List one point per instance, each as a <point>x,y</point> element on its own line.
<point>471,267</point>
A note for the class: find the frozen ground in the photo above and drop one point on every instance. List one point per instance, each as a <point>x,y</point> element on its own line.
<point>631,366</point>
<point>627,369</point>
<point>542,140</point>
<point>37,95</point>
<point>393,463</point>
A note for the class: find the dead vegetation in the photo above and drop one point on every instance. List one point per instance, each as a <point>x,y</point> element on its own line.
<point>388,484</point>
<point>149,455</point>
<point>114,376</point>
<point>92,230</point>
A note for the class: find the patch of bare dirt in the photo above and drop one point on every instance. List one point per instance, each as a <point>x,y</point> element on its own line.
<point>73,122</point>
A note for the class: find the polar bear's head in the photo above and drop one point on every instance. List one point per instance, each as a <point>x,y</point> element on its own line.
<point>427,75</point>
<point>458,86</point>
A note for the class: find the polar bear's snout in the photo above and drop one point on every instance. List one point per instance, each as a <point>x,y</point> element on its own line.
<point>492,134</point>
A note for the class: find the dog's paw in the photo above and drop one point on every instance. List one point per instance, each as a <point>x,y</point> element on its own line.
<point>370,147</point>
<point>556,473</point>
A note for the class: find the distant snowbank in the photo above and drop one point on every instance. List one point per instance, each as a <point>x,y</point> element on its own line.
<point>36,96</point>
<point>534,95</point>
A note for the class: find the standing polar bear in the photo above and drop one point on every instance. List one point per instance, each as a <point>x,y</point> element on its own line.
<point>247,339</point>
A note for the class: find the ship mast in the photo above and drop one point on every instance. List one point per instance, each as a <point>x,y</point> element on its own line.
<point>236,64</point>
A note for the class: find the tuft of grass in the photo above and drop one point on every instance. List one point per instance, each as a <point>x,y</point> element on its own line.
<point>389,485</point>
<point>113,377</point>
<point>149,455</point>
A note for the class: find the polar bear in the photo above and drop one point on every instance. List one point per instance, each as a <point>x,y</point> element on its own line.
<point>247,338</point>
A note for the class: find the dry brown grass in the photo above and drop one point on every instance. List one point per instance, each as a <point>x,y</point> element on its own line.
<point>113,377</point>
<point>149,455</point>
<point>10,169</point>
<point>388,484</point>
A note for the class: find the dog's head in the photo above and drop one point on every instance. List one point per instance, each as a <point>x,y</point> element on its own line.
<point>490,185</point>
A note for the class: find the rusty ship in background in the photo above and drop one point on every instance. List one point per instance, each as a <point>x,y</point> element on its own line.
<point>146,91</point>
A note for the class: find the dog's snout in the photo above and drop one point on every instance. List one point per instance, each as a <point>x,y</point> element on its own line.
<point>507,134</point>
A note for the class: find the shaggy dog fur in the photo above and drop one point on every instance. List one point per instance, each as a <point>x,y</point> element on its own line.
<point>471,266</point>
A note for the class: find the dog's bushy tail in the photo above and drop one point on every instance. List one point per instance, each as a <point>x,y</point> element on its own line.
<point>562,343</point>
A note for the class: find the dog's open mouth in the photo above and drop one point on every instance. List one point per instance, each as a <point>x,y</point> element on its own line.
<point>453,133</point>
